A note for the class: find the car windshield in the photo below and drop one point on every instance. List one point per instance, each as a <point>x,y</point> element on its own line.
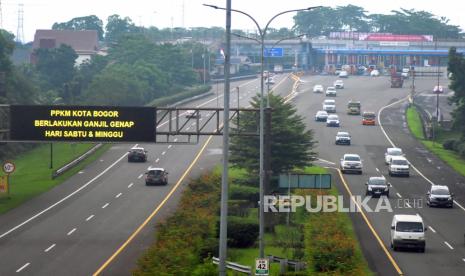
<point>137,150</point>
<point>155,172</point>
<point>395,152</point>
<point>399,162</point>
<point>352,158</point>
<point>377,181</point>
<point>368,116</point>
<point>342,134</point>
<point>407,226</point>
<point>440,192</point>
<point>333,117</point>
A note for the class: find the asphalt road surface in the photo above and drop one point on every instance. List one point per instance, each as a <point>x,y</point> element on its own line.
<point>445,248</point>
<point>76,227</point>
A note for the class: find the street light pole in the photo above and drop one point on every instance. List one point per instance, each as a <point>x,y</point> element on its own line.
<point>262,33</point>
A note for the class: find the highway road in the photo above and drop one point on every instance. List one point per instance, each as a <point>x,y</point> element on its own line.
<point>445,248</point>
<point>76,227</point>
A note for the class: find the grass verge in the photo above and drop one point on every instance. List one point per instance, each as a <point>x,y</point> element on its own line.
<point>33,174</point>
<point>448,156</point>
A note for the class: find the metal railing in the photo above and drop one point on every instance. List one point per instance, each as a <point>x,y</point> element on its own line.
<point>235,267</point>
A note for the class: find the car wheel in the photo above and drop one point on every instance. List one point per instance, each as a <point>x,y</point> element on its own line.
<point>394,247</point>
<point>422,250</point>
<point>387,194</point>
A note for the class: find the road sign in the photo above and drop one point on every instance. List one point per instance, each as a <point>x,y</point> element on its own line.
<point>82,123</point>
<point>262,267</point>
<point>8,167</point>
<point>305,181</point>
<point>273,52</point>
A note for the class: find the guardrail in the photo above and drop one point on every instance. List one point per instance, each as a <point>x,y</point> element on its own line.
<point>285,263</point>
<point>73,163</point>
<point>236,267</point>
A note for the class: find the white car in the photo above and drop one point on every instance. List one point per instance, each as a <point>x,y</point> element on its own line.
<point>329,106</point>
<point>331,91</point>
<point>399,165</point>
<point>408,231</point>
<point>332,121</point>
<point>390,152</point>
<point>351,163</point>
<point>339,84</point>
<point>318,88</point>
<point>374,73</point>
<point>343,74</point>
<point>343,138</point>
<point>321,116</point>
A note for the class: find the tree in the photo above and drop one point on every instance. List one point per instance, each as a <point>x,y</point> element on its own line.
<point>90,22</point>
<point>317,22</point>
<point>353,18</point>
<point>56,65</point>
<point>117,27</point>
<point>456,66</point>
<point>291,144</point>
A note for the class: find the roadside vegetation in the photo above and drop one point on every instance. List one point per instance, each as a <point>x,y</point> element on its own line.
<point>33,175</point>
<point>324,241</point>
<point>443,146</point>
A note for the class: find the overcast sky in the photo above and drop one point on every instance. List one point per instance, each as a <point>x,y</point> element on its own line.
<point>41,14</point>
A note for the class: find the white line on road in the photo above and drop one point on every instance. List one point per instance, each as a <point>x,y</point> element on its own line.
<point>175,139</point>
<point>50,247</point>
<point>169,146</point>
<point>89,218</point>
<point>158,159</point>
<point>118,195</point>
<point>163,153</point>
<point>326,161</point>
<point>398,195</point>
<point>23,267</point>
<point>65,198</point>
<point>432,229</point>
<point>106,205</point>
<point>80,172</point>
<point>449,245</point>
<point>130,185</point>
<point>71,232</point>
<point>140,176</point>
<point>377,169</point>
<point>463,259</point>
<point>408,205</point>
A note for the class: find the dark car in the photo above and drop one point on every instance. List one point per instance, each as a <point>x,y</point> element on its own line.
<point>137,155</point>
<point>156,176</point>
<point>439,195</point>
<point>377,186</point>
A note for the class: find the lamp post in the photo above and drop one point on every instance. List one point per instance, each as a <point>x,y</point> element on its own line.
<point>262,33</point>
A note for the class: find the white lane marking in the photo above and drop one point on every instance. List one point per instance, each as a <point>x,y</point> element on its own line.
<point>89,218</point>
<point>398,195</point>
<point>170,146</point>
<point>50,247</point>
<point>377,169</point>
<point>188,128</point>
<point>432,229</point>
<point>463,259</point>
<point>408,205</point>
<point>71,232</point>
<point>118,195</point>
<point>101,160</point>
<point>140,176</point>
<point>394,146</point>
<point>92,180</point>
<point>23,267</point>
<point>158,159</point>
<point>175,139</point>
<point>163,153</point>
<point>130,185</point>
<point>326,161</point>
<point>450,246</point>
<point>80,172</point>
<point>106,205</point>
<point>66,197</point>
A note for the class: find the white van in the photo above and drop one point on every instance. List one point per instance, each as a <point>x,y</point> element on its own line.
<point>408,231</point>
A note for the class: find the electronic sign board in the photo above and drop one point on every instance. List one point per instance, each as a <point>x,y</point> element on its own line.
<point>82,123</point>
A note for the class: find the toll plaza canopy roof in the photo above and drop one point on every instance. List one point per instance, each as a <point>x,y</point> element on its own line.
<point>389,52</point>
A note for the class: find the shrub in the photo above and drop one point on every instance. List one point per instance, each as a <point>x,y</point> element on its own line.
<point>449,144</point>
<point>460,148</point>
<point>242,232</point>
<point>239,208</point>
<point>252,194</point>
<point>206,269</point>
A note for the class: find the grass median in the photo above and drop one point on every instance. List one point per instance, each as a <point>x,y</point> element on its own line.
<point>450,157</point>
<point>33,174</point>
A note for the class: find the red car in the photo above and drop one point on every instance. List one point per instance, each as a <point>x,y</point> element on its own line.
<point>368,118</point>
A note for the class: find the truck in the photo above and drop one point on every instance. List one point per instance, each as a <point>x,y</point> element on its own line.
<point>396,80</point>
<point>278,68</point>
<point>353,107</point>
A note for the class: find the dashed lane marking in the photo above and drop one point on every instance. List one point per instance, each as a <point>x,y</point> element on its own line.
<point>50,247</point>
<point>23,267</point>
